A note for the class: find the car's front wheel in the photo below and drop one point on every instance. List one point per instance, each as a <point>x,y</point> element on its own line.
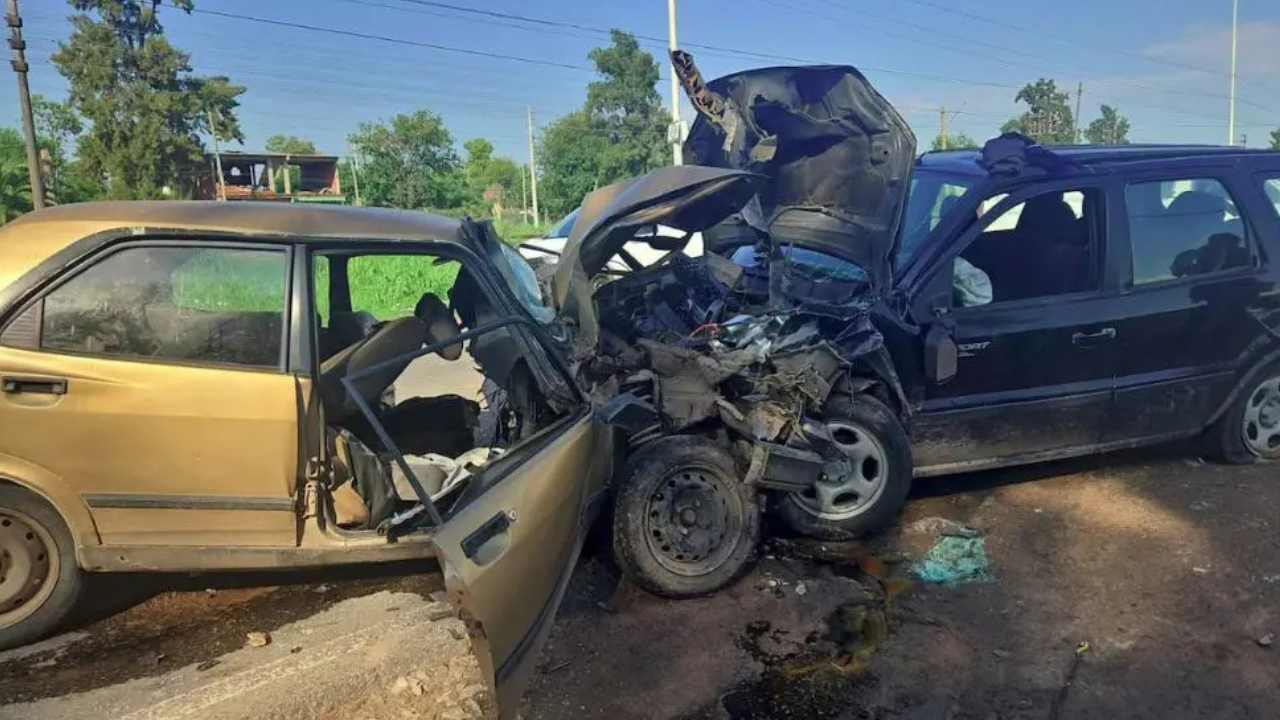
<point>39,579</point>
<point>869,496</point>
<point>684,524</point>
<point>1250,429</point>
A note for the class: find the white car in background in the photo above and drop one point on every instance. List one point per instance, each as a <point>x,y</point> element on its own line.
<point>549,247</point>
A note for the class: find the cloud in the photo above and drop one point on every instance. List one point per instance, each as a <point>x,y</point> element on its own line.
<point>1209,47</point>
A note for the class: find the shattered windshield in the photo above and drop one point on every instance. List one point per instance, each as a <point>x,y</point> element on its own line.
<point>933,194</point>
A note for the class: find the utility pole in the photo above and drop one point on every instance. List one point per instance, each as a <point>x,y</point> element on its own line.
<point>24,98</point>
<point>942,118</point>
<point>677,130</point>
<point>524,197</point>
<point>533,172</point>
<point>1076,131</point>
<point>217,158</point>
<point>355,173</point>
<point>1231,107</point>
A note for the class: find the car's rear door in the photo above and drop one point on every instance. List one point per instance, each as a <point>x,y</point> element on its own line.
<point>151,379</point>
<point>1191,271</point>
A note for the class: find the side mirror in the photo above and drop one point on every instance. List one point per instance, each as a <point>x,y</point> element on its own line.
<point>940,355</point>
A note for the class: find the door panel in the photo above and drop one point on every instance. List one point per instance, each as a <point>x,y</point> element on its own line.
<point>507,556</point>
<point>163,454</point>
<point>1187,326</point>
<point>1030,379</point>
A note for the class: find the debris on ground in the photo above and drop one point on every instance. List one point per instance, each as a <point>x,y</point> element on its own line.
<point>1267,640</point>
<point>258,639</point>
<point>955,560</point>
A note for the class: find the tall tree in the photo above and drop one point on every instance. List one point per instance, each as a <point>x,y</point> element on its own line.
<point>409,162</point>
<point>570,159</point>
<point>145,107</point>
<point>620,131</point>
<point>955,141</point>
<point>1048,118</point>
<point>624,104</point>
<point>1110,128</point>
<point>1275,139</point>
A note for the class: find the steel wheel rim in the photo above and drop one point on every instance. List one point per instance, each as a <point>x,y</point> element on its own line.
<point>29,566</point>
<point>1261,425</point>
<point>849,496</point>
<point>691,521</point>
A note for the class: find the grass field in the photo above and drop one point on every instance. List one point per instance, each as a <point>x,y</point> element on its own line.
<point>388,286</point>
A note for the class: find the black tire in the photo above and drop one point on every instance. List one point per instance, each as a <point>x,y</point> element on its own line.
<point>1225,439</point>
<point>681,473</point>
<point>20,506</point>
<point>882,424</point>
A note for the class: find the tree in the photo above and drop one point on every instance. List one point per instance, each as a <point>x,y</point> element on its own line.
<point>1275,139</point>
<point>144,106</point>
<point>57,129</point>
<point>409,162</point>
<point>288,144</point>
<point>570,162</point>
<point>15,185</point>
<point>955,141</point>
<point>620,131</point>
<point>1049,119</point>
<point>626,108</point>
<point>1111,128</point>
<point>495,177</point>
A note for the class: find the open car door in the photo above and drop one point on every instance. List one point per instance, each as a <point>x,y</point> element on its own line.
<point>507,556</point>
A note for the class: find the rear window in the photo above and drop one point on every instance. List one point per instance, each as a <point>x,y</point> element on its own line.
<point>1184,228</point>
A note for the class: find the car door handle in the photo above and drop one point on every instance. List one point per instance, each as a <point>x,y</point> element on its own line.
<point>474,544</point>
<point>41,386</point>
<point>1092,339</point>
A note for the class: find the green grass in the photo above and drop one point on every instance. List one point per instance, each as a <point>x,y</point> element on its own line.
<point>389,286</point>
<point>217,281</point>
<point>515,232</point>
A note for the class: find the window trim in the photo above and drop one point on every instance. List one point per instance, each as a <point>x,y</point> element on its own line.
<point>1225,178</point>
<point>91,260</point>
<point>1016,196</point>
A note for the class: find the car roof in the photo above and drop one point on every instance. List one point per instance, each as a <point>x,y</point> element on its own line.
<point>30,239</point>
<point>965,162</point>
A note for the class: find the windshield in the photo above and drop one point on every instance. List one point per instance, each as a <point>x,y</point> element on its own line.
<point>933,194</point>
<point>817,265</point>
<point>564,227</point>
<point>523,282</point>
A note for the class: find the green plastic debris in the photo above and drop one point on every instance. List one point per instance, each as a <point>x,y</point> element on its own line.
<point>955,560</point>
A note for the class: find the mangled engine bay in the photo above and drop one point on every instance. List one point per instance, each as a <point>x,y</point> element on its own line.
<point>752,348</point>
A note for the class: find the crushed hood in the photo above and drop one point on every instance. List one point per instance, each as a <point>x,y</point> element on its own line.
<point>836,153</point>
<point>688,198</point>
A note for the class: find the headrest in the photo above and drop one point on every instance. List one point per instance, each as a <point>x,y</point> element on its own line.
<point>440,323</point>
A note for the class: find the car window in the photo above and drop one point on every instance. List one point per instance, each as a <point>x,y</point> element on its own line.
<point>390,286</point>
<point>1184,228</point>
<point>932,195</point>
<point>208,305</point>
<point>1045,246</point>
<point>1271,186</point>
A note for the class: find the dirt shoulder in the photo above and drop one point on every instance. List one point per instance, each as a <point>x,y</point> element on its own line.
<point>1169,569</point>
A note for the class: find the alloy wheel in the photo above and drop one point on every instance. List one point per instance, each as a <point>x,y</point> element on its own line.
<point>840,498</point>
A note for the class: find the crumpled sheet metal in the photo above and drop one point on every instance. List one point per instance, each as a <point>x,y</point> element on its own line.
<point>688,380</point>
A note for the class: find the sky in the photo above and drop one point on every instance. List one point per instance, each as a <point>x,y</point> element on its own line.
<point>1163,63</point>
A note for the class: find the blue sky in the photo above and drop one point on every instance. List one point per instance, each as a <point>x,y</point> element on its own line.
<point>1163,63</point>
